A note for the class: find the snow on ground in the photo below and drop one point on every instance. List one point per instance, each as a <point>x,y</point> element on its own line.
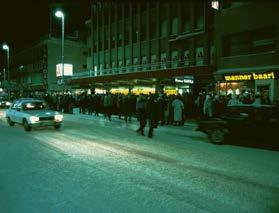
<point>94,165</point>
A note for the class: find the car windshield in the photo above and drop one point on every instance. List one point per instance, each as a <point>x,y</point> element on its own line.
<point>33,106</point>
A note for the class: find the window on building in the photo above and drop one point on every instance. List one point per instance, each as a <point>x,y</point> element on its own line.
<point>126,38</point>
<point>238,44</point>
<point>120,37</point>
<point>264,40</point>
<point>256,41</point>
<point>174,26</point>
<point>199,16</point>
<point>135,30</point>
<point>127,32</point>
<point>153,4</point>
<point>227,4</point>
<point>185,19</point>
<point>163,28</point>
<point>89,52</point>
<point>153,26</point>
<point>143,27</point>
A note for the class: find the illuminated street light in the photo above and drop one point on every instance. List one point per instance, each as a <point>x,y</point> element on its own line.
<point>60,14</point>
<point>6,48</point>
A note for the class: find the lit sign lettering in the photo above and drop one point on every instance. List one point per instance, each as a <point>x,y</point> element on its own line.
<point>187,81</point>
<point>253,76</point>
<point>68,70</point>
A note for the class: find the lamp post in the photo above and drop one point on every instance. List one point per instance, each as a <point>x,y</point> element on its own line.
<point>6,48</point>
<point>60,14</point>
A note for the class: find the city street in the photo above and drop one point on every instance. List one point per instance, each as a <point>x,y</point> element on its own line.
<point>94,165</point>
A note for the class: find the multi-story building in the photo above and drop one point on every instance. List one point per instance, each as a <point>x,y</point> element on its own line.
<point>38,68</point>
<point>246,39</point>
<point>159,45</point>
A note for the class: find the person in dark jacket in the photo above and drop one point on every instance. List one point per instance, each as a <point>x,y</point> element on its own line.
<point>152,112</point>
<point>141,113</point>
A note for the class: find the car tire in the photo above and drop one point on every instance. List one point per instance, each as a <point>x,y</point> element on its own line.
<point>11,123</point>
<point>217,136</point>
<point>57,126</point>
<point>26,126</point>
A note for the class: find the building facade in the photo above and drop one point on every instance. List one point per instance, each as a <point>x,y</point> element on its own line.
<point>246,39</point>
<point>159,45</point>
<point>37,67</point>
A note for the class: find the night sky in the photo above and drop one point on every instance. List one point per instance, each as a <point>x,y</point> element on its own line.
<point>24,22</point>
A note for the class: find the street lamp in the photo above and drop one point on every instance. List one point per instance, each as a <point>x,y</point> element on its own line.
<point>6,48</point>
<point>60,14</point>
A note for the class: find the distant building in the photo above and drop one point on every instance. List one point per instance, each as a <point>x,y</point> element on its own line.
<point>164,45</point>
<point>246,39</point>
<point>37,67</point>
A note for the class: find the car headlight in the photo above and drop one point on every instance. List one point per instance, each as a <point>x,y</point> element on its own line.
<point>34,119</point>
<point>58,117</point>
<point>8,103</point>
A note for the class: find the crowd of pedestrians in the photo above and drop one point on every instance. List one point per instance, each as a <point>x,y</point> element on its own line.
<point>153,109</point>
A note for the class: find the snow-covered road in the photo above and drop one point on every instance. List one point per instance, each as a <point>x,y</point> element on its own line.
<point>93,165</point>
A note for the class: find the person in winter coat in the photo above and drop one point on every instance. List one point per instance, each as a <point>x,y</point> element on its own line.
<point>141,113</point>
<point>108,103</point>
<point>178,107</point>
<point>234,100</point>
<point>207,106</point>
<point>152,112</point>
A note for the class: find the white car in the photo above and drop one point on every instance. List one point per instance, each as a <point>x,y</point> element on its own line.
<point>32,113</point>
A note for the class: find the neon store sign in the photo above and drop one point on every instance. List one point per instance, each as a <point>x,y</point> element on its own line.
<point>247,77</point>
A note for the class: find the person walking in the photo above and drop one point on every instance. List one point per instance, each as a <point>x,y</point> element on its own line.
<point>178,107</point>
<point>108,105</point>
<point>207,106</point>
<point>141,113</point>
<point>152,111</point>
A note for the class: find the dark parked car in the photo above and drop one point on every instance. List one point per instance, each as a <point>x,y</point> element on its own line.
<point>256,124</point>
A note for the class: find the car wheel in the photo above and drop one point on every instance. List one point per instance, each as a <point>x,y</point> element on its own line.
<point>217,136</point>
<point>11,123</point>
<point>57,126</point>
<point>26,126</point>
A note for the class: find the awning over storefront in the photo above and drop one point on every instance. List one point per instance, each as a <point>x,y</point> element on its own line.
<point>199,72</point>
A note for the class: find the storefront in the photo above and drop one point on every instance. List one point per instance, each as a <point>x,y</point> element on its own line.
<point>264,84</point>
<point>184,84</point>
